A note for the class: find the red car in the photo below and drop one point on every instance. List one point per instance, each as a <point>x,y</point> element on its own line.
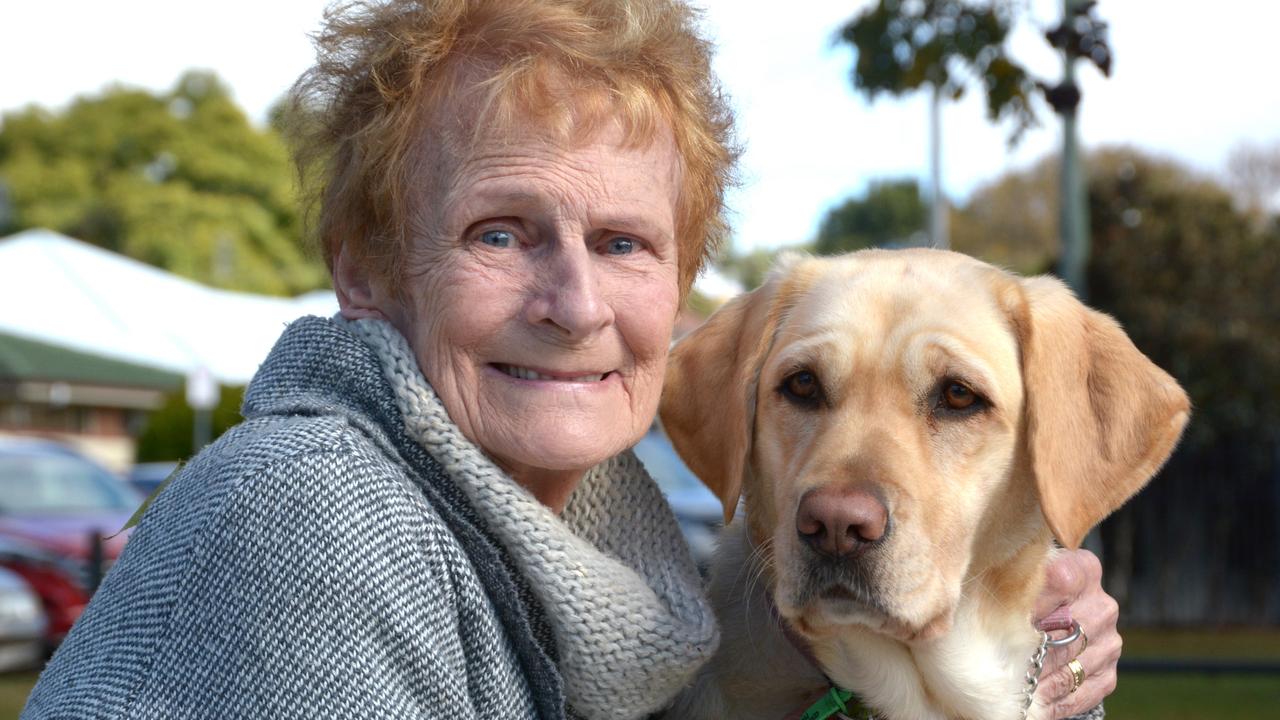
<point>55,507</point>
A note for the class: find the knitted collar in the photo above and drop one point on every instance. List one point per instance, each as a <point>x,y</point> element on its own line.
<point>612,571</point>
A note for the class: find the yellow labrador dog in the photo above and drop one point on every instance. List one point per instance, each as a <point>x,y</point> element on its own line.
<point>911,431</point>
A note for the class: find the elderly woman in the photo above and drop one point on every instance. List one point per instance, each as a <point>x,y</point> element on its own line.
<point>430,510</point>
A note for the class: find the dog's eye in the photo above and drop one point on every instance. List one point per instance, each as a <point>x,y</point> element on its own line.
<point>802,388</point>
<point>958,396</point>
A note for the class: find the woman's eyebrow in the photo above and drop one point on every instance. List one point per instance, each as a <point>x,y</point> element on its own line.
<point>631,222</point>
<point>614,217</point>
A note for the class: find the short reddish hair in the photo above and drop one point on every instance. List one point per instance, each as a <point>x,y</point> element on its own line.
<point>360,119</point>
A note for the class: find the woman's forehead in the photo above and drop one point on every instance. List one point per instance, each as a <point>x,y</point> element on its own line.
<point>607,160</point>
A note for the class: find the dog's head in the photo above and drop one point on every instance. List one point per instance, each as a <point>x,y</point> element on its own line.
<point>903,421</point>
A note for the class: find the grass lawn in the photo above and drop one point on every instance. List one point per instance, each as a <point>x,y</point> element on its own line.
<point>1233,643</point>
<point>1186,696</point>
<point>1142,696</point>
<point>14,688</point>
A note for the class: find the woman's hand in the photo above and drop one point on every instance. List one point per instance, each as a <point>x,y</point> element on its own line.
<point>1075,579</point>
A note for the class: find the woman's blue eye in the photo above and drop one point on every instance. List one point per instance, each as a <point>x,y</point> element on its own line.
<point>498,238</point>
<point>620,246</point>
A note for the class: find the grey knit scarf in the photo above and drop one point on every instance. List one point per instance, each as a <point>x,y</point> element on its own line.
<point>612,572</point>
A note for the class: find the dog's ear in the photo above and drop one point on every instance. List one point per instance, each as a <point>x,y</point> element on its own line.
<point>709,396</point>
<point>1100,417</point>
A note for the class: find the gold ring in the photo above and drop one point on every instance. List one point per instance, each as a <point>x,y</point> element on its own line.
<point>1084,645</point>
<point>1077,674</point>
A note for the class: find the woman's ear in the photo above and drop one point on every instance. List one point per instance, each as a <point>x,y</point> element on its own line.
<point>360,295</point>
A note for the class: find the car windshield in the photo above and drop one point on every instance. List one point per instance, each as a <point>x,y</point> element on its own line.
<point>50,483</point>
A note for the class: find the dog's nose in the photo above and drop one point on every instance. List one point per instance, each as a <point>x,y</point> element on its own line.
<point>840,521</point>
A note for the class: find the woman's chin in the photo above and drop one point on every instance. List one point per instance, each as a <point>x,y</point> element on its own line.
<point>556,454</point>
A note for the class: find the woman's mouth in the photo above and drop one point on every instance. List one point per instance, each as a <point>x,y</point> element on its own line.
<point>524,373</point>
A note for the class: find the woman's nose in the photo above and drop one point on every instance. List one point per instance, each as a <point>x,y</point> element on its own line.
<point>570,296</point>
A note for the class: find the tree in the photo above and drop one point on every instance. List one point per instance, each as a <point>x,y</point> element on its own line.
<point>903,46</point>
<point>1013,220</point>
<point>891,213</point>
<point>180,180</point>
<point>1253,171</point>
<point>169,430</point>
<point>749,269</point>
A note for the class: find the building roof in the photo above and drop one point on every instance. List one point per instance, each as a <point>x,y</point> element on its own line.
<point>22,359</point>
<point>65,293</point>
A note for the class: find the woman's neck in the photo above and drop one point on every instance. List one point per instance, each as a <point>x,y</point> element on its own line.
<point>551,487</point>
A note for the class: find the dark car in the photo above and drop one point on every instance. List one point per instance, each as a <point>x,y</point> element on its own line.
<point>68,511</point>
<point>147,477</point>
<point>698,510</point>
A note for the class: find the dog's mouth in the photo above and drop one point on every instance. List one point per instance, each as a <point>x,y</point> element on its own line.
<point>826,580</point>
<point>844,594</point>
<point>840,606</point>
<point>847,604</point>
<point>829,599</point>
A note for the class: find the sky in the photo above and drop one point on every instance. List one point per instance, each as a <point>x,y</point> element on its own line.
<point>1191,80</point>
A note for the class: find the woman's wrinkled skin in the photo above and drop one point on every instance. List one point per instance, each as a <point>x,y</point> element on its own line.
<point>1075,578</point>
<point>554,257</point>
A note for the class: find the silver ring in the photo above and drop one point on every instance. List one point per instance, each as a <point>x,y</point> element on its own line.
<point>1070,637</point>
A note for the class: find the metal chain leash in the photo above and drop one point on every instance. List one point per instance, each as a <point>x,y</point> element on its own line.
<point>1033,673</point>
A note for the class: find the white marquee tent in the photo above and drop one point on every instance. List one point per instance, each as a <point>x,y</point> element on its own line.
<point>68,293</point>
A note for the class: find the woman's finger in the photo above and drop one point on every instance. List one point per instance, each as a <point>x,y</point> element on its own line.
<point>1097,614</point>
<point>1069,574</point>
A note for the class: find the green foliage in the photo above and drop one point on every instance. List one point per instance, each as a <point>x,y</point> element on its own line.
<point>180,180</point>
<point>1012,221</point>
<point>170,430</point>
<point>1195,286</point>
<point>902,45</point>
<point>891,213</point>
<point>750,269</point>
<point>700,304</point>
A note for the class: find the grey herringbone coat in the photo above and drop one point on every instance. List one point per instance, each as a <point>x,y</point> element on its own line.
<point>314,562</point>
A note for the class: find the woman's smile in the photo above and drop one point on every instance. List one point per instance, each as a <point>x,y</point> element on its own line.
<point>528,374</point>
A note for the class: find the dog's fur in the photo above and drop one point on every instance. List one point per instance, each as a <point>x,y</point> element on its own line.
<point>933,621</point>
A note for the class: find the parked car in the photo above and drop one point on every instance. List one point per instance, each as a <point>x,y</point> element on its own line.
<point>59,583</point>
<point>147,477</point>
<point>64,514</point>
<point>22,624</point>
<point>698,510</point>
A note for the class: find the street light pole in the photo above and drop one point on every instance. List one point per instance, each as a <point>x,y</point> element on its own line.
<point>938,230</point>
<point>1074,212</point>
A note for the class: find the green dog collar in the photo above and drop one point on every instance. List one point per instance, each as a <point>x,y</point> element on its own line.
<point>838,703</point>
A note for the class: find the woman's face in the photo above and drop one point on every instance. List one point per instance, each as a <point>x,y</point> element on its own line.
<point>542,305</point>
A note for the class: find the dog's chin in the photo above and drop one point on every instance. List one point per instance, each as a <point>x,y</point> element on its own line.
<point>837,609</point>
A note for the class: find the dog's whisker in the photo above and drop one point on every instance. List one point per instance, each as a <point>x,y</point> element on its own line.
<point>758,562</point>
